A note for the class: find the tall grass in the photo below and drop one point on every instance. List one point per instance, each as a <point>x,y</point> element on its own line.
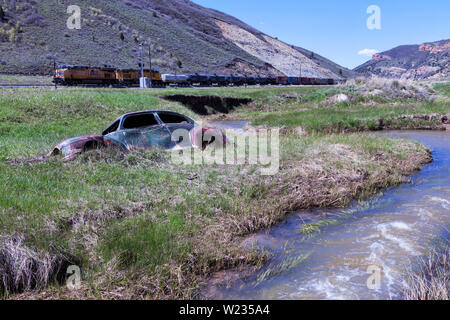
<point>429,278</point>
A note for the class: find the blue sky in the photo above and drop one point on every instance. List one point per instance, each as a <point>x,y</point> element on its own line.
<point>338,29</point>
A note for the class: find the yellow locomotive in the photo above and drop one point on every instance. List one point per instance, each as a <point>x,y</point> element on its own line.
<point>84,75</point>
<point>76,75</point>
<point>130,77</point>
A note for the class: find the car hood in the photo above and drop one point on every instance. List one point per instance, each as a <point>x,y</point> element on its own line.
<point>71,147</point>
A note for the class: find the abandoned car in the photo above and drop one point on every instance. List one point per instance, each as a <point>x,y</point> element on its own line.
<point>145,130</point>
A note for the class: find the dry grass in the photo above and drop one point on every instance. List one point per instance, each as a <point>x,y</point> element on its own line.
<point>23,269</point>
<point>430,281</point>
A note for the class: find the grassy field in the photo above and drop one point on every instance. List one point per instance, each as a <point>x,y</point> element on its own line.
<point>369,105</point>
<point>140,226</point>
<point>24,80</point>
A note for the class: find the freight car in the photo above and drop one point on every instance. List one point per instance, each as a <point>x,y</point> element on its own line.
<point>293,81</point>
<point>178,80</point>
<point>282,80</point>
<point>237,80</point>
<point>198,79</point>
<point>219,80</point>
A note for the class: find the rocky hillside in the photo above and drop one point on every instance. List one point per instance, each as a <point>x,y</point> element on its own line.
<point>425,61</point>
<point>184,37</point>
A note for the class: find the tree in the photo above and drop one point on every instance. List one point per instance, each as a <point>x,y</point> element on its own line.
<point>312,55</point>
<point>340,72</point>
<point>179,64</point>
<point>122,37</point>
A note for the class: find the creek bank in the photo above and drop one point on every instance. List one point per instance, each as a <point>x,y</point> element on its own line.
<point>387,230</point>
<point>314,184</point>
<point>437,122</point>
<point>208,104</point>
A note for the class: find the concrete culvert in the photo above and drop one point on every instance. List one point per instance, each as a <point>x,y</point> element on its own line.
<point>206,105</point>
<point>24,269</point>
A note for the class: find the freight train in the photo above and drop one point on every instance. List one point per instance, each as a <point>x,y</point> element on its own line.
<point>109,76</point>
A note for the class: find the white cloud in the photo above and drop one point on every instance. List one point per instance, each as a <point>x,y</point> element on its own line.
<point>367,52</point>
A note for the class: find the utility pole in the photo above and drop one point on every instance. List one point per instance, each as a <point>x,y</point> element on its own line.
<point>54,72</point>
<point>150,57</point>
<point>142,61</point>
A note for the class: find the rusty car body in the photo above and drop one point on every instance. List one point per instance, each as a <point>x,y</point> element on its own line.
<point>144,130</point>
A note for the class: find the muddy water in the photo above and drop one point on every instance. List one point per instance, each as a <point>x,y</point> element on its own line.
<point>373,241</point>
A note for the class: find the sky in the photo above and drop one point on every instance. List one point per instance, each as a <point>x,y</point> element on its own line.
<point>339,29</point>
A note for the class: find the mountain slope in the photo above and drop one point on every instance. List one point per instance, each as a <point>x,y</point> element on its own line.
<point>184,37</point>
<point>425,61</point>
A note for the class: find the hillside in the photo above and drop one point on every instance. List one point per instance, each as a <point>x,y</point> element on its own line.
<point>425,61</point>
<point>184,37</point>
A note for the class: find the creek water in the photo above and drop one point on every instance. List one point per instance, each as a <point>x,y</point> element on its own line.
<point>365,249</point>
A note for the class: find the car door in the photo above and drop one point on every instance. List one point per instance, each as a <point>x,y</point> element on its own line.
<point>178,126</point>
<point>144,131</point>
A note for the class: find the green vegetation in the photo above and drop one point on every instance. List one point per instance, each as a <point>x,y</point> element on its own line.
<point>142,227</point>
<point>309,229</point>
<point>367,105</point>
<point>24,80</point>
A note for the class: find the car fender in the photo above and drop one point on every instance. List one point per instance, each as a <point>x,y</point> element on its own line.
<point>71,148</point>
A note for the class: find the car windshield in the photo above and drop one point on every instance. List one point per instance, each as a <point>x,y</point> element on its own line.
<point>112,128</point>
<point>140,121</point>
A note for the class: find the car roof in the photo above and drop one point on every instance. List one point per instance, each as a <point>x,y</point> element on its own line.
<point>145,112</point>
<point>149,111</point>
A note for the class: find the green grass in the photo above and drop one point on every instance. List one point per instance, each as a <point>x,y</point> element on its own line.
<point>344,117</point>
<point>143,243</point>
<point>32,121</point>
<point>443,88</point>
<point>24,80</point>
<point>311,109</point>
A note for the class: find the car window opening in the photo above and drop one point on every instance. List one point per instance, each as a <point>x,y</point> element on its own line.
<point>112,128</point>
<point>140,121</point>
<point>172,118</point>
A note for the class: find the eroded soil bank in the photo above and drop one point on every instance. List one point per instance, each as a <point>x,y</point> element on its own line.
<point>207,104</point>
